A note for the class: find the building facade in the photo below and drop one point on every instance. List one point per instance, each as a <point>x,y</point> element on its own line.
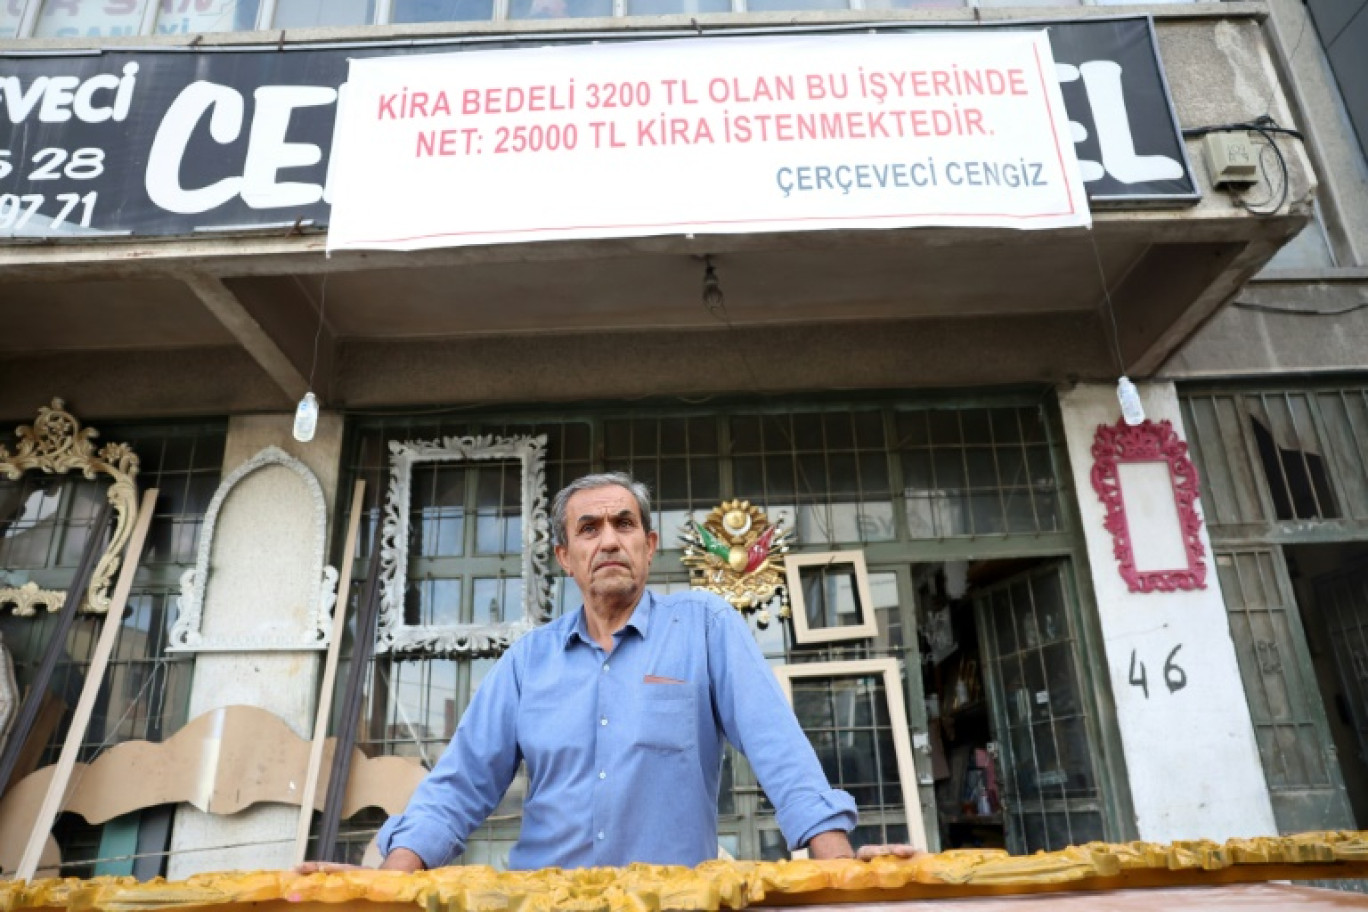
<point>928,403</point>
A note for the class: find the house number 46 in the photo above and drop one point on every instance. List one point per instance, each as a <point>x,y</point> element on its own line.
<point>1174,676</point>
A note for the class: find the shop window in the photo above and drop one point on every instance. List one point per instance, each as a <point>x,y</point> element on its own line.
<point>89,18</point>
<point>1343,31</point>
<point>1296,475</point>
<point>977,472</point>
<point>827,472</point>
<point>180,17</point>
<point>831,470</point>
<point>11,11</point>
<point>315,13</point>
<point>677,458</point>
<point>45,522</point>
<point>666,7</point>
<point>800,6</point>
<point>559,9</point>
<point>923,4</point>
<point>1279,455</point>
<point>441,10</point>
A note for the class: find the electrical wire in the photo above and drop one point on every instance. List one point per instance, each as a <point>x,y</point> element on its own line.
<point>1107,299</point>
<point>1297,311</point>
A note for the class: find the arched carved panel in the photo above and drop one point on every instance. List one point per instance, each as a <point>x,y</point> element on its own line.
<point>188,633</point>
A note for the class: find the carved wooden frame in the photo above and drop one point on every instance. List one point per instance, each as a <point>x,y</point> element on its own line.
<point>1121,443</point>
<point>887,668</point>
<point>56,444</point>
<point>392,634</point>
<point>185,634</point>
<point>794,564</point>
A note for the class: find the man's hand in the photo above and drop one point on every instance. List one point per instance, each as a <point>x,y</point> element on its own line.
<point>831,844</point>
<point>397,860</point>
<point>897,849</point>
<point>324,867</point>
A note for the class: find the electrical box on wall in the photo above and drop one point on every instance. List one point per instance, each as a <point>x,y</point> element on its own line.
<point>1231,158</point>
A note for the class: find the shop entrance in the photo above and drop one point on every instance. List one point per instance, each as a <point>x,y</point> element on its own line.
<point>1009,721</point>
<point>1331,586</point>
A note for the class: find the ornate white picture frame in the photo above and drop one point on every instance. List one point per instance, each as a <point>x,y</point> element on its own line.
<point>887,670</point>
<point>395,636</point>
<point>186,635</point>
<point>864,625</point>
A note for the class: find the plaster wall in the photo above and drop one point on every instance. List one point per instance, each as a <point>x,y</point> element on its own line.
<point>283,683</point>
<point>1191,754</point>
<point>1316,325</point>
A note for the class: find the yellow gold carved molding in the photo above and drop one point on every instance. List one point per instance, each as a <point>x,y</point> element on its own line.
<point>28,598</point>
<point>717,885</point>
<point>56,444</point>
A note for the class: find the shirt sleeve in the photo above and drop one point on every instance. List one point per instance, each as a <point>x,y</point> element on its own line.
<point>756,718</point>
<point>470,777</point>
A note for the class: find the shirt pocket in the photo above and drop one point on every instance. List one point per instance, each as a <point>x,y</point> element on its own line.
<point>666,720</point>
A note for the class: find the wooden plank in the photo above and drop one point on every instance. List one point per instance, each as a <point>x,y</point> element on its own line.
<point>306,803</point>
<point>113,621</point>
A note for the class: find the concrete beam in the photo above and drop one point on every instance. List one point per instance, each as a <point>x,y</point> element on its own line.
<point>268,331</point>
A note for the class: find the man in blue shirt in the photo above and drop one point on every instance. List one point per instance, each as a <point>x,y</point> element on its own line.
<point>619,711</point>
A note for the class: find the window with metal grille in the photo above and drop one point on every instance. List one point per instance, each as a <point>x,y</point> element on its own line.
<point>45,522</point>
<point>1269,456</point>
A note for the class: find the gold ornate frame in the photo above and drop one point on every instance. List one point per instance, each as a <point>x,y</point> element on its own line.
<point>56,444</point>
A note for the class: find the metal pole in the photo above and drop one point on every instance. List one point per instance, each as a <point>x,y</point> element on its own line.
<point>362,650</point>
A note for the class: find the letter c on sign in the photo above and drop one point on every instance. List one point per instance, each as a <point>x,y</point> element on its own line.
<point>173,135</point>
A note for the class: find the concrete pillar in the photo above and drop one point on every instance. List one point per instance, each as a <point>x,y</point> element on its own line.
<point>1190,753</point>
<point>283,683</point>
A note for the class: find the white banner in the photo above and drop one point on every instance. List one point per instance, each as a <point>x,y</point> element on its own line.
<point>706,135</point>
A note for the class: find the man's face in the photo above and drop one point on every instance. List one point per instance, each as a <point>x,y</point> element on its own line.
<point>607,550</point>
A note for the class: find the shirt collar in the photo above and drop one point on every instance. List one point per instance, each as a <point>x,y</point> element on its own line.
<point>640,621</point>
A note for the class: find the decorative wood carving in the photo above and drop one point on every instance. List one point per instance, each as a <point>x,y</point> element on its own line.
<point>28,599</point>
<point>185,633</point>
<point>392,634</point>
<point>56,444</point>
<point>249,755</point>
<point>737,553</point>
<point>1120,443</point>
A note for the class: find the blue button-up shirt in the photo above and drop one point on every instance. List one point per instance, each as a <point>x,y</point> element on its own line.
<point>623,749</point>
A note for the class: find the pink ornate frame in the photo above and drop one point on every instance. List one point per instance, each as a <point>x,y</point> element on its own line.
<point>1149,442</point>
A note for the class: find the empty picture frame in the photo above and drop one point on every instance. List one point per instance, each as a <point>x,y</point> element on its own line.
<point>463,640</point>
<point>829,597</point>
<point>887,671</point>
<point>1149,489</point>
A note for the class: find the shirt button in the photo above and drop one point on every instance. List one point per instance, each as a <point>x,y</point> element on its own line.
<point>603,721</point>
<point>603,774</point>
<point>605,666</point>
<point>600,834</point>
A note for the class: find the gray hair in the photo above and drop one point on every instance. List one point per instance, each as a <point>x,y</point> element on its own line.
<point>593,482</point>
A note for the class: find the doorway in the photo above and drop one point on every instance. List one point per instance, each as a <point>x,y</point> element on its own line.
<point>1330,582</point>
<point>1012,737</point>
